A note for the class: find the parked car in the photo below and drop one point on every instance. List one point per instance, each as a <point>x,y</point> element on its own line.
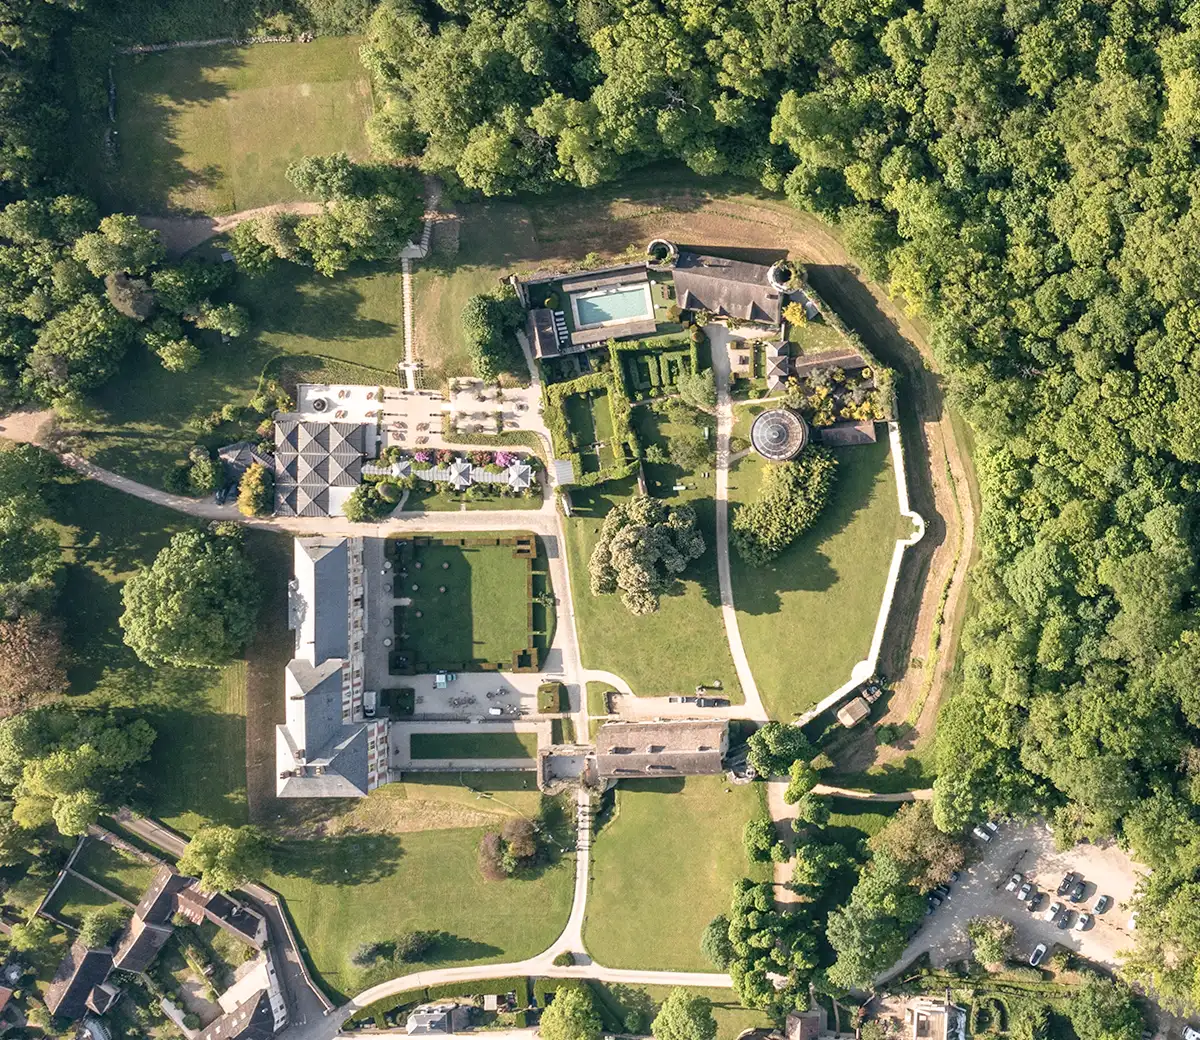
<point>674,700</point>
<point>1064,919</point>
<point>934,901</point>
<point>1190,1033</point>
<point>992,826</point>
<point>712,702</point>
<point>942,891</point>
<point>1131,924</point>
<point>1077,891</point>
<point>1025,891</point>
<point>982,834</point>
<point>1038,899</point>
<point>1014,882</point>
<point>1039,952</point>
<point>1054,911</point>
<point>1064,886</point>
<point>1103,903</point>
<point>1084,921</point>
<point>953,878</point>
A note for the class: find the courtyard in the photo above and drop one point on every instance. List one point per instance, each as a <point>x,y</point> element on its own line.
<point>458,604</point>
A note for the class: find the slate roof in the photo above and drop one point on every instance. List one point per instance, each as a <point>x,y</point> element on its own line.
<point>78,973</point>
<point>226,913</point>
<point>139,944</point>
<point>622,274</point>
<point>102,997</point>
<point>320,599</point>
<point>539,327</point>
<point>728,288</point>
<point>253,1020</point>
<point>310,458</point>
<point>844,433</point>
<point>240,457</point>
<point>158,901</point>
<point>682,747</point>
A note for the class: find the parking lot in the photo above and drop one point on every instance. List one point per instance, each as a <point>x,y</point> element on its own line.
<point>1029,849</point>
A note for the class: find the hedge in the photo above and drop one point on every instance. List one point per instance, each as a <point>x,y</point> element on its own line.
<point>376,1010</point>
<point>625,439</point>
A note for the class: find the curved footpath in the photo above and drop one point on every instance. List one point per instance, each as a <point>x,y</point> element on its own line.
<point>718,337</point>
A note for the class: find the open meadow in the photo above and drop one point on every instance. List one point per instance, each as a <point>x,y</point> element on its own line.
<point>213,129</point>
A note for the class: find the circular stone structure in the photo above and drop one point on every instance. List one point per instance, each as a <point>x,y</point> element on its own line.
<point>669,250</point>
<point>782,276</point>
<point>779,434</point>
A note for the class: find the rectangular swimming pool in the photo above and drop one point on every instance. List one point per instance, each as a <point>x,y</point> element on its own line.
<point>609,306</point>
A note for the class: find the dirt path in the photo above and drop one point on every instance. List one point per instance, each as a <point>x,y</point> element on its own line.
<point>180,234</point>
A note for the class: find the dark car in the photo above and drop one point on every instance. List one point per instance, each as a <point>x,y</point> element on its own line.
<point>953,878</point>
<point>1103,904</point>
<point>1038,899</point>
<point>942,891</point>
<point>712,702</point>
<point>1064,919</point>
<point>1077,891</point>
<point>1064,886</point>
<point>934,899</point>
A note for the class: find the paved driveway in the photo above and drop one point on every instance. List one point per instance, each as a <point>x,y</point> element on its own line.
<point>1030,850</point>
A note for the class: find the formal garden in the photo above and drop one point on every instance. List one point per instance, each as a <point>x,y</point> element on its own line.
<point>481,603</point>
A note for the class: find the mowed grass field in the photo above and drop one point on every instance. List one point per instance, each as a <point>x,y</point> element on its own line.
<point>808,618</point>
<point>371,884</point>
<point>307,327</point>
<point>663,867</point>
<point>74,899</point>
<point>197,768</point>
<point>115,870</point>
<point>481,618</point>
<point>213,129</point>
<point>682,644</point>
<point>473,745</point>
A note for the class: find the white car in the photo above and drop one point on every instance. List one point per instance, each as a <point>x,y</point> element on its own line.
<point>1190,1033</point>
<point>1054,911</point>
<point>1013,882</point>
<point>1083,921</point>
<point>1039,952</point>
<point>982,834</point>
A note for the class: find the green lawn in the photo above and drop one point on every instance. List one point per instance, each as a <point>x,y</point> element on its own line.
<point>589,418</point>
<point>197,770</point>
<point>445,500</point>
<point>816,337</point>
<point>114,869</point>
<point>342,892</point>
<point>821,598</point>
<point>213,129</point>
<point>74,898</point>
<point>663,867</point>
<point>683,644</point>
<point>617,1001</point>
<point>344,329</point>
<point>481,618</point>
<point>473,745</point>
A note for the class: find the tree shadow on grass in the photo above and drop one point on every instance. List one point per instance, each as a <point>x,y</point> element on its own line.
<point>803,566</point>
<point>152,92</point>
<point>353,859</point>
<point>453,948</point>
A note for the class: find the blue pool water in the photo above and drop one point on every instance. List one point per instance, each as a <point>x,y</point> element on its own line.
<point>619,305</point>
